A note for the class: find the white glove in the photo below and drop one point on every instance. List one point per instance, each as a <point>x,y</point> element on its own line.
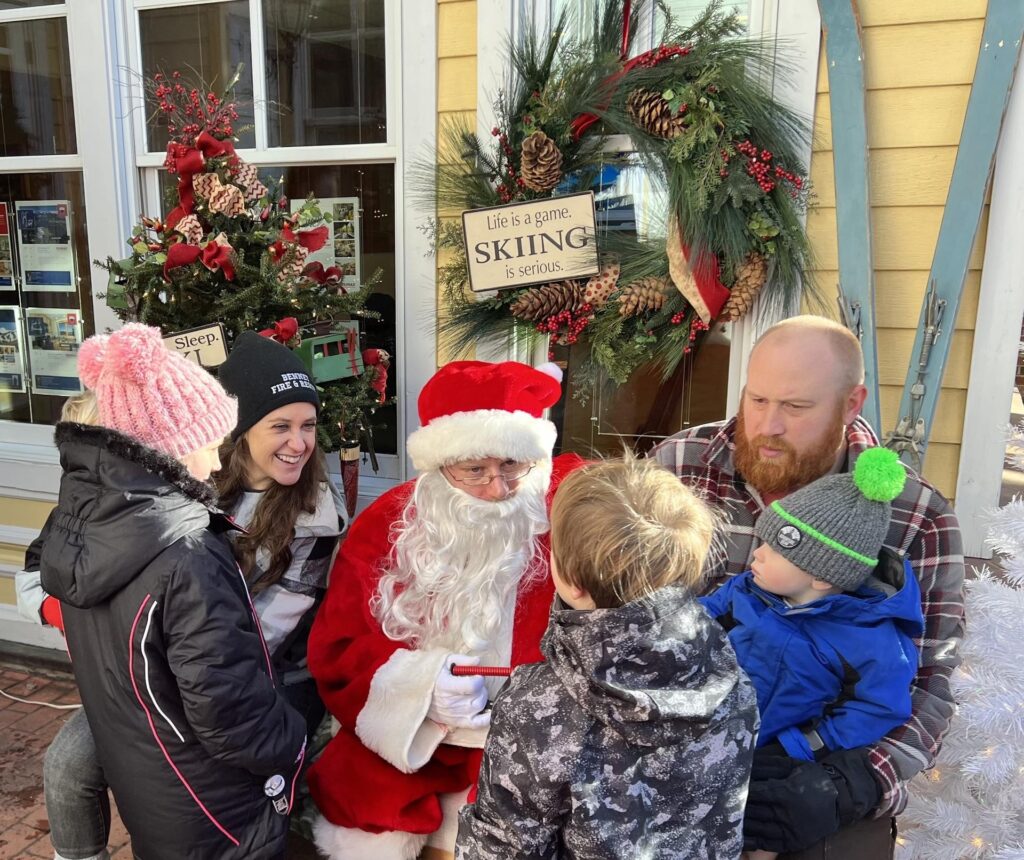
<point>457,702</point>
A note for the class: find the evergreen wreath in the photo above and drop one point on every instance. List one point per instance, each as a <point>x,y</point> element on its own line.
<point>702,120</point>
<point>230,251</point>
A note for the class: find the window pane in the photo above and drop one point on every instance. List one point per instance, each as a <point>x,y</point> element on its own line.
<point>37,114</point>
<point>47,336</point>
<point>359,201</point>
<point>325,72</point>
<point>27,4</point>
<point>205,43</point>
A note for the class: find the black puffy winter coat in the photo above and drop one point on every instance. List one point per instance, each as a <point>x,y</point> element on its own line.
<point>168,654</point>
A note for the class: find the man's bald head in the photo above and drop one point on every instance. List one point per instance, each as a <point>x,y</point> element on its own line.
<point>816,339</point>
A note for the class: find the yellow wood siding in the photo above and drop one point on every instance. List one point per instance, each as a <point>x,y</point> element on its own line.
<point>456,86</point>
<point>919,59</point>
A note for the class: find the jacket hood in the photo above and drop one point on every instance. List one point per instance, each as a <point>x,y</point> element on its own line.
<point>891,593</point>
<point>643,668</point>
<point>121,504</point>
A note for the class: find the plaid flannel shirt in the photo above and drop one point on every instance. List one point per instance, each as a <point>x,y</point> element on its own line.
<point>923,528</point>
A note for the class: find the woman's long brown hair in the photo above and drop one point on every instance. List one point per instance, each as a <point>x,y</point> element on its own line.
<point>273,524</point>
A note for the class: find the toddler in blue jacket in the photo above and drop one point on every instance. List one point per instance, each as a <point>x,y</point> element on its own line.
<point>823,627</point>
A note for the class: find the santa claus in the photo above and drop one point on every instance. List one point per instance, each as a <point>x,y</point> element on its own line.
<point>450,568</point>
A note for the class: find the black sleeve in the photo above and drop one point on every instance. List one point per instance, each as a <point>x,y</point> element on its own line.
<point>220,663</point>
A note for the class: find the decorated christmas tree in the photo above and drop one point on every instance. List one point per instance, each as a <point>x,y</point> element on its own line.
<point>231,251</point>
<point>971,804</point>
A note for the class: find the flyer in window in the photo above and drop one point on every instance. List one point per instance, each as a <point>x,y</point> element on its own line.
<point>12,356</point>
<point>54,336</point>
<point>6,257</point>
<point>341,251</point>
<point>44,245</point>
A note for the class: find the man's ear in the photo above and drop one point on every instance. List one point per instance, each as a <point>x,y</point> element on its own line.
<point>854,403</point>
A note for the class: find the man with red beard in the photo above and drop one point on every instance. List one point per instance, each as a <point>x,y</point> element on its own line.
<point>800,419</point>
<point>450,568</point>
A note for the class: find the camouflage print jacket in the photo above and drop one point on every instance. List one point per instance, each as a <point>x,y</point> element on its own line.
<point>634,739</point>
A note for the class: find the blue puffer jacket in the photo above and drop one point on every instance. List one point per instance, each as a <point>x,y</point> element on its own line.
<point>840,666</point>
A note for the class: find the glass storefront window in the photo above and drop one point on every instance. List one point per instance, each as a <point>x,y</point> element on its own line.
<point>325,72</point>
<point>37,115</point>
<point>358,200</point>
<point>45,292</point>
<point>205,43</point>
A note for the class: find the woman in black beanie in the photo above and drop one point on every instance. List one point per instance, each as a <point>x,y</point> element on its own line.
<point>273,481</point>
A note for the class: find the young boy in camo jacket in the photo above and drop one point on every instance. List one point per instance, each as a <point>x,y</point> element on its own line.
<point>635,738</point>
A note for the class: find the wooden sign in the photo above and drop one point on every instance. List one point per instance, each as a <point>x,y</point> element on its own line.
<point>204,345</point>
<point>531,243</point>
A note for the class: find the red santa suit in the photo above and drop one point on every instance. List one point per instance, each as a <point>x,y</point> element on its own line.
<point>382,779</point>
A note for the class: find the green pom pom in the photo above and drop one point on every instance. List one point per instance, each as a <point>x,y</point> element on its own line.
<point>879,474</point>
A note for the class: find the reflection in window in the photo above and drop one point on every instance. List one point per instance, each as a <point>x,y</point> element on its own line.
<point>358,202</point>
<point>206,43</point>
<point>37,114</point>
<point>325,72</point>
<point>50,331</point>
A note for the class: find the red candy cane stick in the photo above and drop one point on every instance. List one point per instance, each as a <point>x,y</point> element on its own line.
<point>486,671</point>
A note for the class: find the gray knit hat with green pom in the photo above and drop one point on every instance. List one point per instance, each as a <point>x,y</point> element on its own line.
<point>834,528</point>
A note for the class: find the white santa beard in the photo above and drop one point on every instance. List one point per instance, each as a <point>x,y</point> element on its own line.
<point>457,563</point>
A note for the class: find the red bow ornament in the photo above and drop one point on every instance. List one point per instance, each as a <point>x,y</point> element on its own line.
<point>217,255</point>
<point>283,330</point>
<point>188,161</point>
<point>329,277</point>
<point>378,360</point>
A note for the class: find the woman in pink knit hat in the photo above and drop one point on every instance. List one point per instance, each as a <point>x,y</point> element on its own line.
<point>199,748</point>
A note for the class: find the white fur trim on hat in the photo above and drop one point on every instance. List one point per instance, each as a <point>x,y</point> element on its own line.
<point>482,433</point>
<point>348,843</point>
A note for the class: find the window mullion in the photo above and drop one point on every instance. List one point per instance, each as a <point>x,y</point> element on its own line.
<point>259,72</point>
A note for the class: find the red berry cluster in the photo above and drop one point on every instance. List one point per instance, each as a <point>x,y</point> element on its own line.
<point>659,55</point>
<point>510,190</point>
<point>725,160</point>
<point>567,325</point>
<point>189,112</point>
<point>766,175</point>
<point>678,318</point>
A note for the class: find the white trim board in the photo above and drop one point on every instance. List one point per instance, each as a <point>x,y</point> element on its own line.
<point>15,628</point>
<point>996,336</point>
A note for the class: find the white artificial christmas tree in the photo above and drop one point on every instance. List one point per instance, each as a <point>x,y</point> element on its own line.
<point>971,804</point>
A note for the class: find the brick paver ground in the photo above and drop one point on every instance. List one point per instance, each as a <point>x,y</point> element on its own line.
<point>25,732</point>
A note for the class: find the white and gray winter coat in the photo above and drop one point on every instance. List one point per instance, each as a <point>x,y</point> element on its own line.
<point>633,740</point>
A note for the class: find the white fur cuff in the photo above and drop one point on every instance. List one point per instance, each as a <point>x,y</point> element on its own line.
<point>483,433</point>
<point>347,843</point>
<point>393,723</point>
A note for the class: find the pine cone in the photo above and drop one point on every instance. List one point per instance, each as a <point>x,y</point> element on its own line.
<point>647,294</point>
<point>541,302</point>
<point>750,277</point>
<point>541,163</point>
<point>652,113</point>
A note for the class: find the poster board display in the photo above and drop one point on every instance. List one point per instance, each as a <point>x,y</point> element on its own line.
<point>342,249</point>
<point>45,247</point>
<point>12,350</point>
<point>535,242</point>
<point>6,254</point>
<point>54,336</point>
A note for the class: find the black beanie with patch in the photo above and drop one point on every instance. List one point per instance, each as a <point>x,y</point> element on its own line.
<point>264,376</point>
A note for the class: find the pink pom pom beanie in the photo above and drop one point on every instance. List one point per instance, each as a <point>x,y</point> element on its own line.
<point>154,395</point>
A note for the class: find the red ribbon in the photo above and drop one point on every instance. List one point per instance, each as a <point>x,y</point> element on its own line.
<point>706,276</point>
<point>187,162</point>
<point>329,277</point>
<point>217,256</point>
<point>283,330</point>
<point>213,255</point>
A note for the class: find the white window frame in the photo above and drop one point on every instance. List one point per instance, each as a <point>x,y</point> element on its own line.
<point>104,41</point>
<point>797,23</point>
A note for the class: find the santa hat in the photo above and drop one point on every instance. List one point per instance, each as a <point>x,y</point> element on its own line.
<point>474,409</point>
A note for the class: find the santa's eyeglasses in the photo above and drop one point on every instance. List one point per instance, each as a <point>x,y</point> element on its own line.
<point>476,476</point>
